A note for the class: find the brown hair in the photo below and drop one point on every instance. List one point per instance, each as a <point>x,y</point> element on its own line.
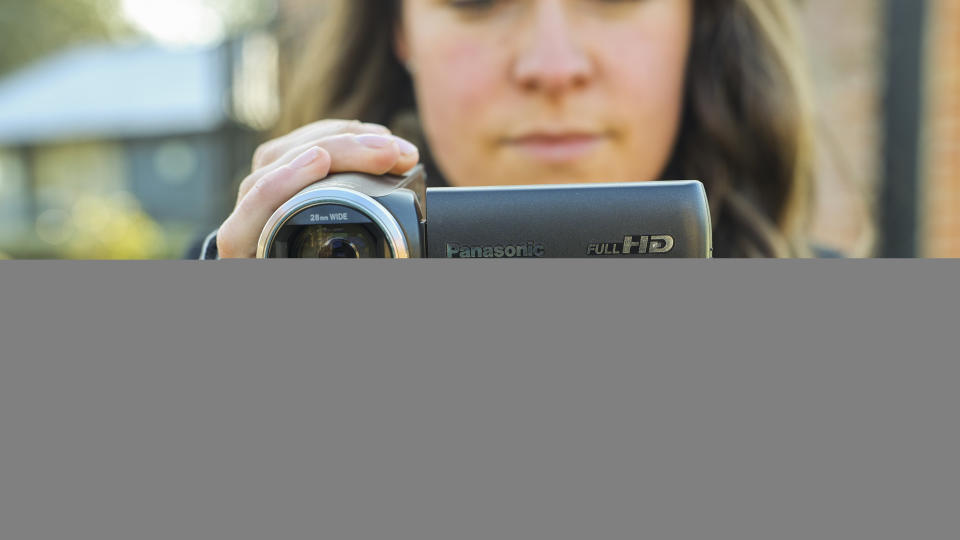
<point>746,131</point>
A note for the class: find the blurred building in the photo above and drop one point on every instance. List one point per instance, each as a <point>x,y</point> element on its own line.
<point>940,191</point>
<point>146,132</point>
<point>845,45</point>
<point>888,82</point>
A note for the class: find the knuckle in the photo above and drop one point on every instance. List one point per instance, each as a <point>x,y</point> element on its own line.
<point>403,166</point>
<point>332,127</point>
<point>271,185</point>
<point>377,127</point>
<point>245,187</point>
<point>383,162</point>
<point>265,154</point>
<point>226,243</point>
<point>357,126</point>
<point>263,188</point>
<point>335,140</point>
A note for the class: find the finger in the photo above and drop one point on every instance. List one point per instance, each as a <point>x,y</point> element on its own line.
<point>365,153</point>
<point>370,153</point>
<point>240,233</point>
<point>274,150</point>
<point>409,156</point>
<point>336,127</point>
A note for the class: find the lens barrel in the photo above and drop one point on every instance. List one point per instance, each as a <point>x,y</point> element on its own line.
<point>332,222</point>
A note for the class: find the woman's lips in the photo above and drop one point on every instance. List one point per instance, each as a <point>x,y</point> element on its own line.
<point>558,148</point>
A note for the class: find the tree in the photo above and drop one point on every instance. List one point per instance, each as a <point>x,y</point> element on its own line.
<point>30,29</point>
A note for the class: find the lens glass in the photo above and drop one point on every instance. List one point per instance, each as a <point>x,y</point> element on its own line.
<point>339,248</point>
<point>333,242</point>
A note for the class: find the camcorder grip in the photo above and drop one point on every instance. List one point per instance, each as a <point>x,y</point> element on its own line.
<point>354,215</point>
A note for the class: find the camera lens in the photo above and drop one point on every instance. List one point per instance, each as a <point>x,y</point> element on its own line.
<point>332,242</point>
<point>371,215</point>
<point>339,248</point>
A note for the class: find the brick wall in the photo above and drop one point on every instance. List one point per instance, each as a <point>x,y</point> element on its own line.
<point>940,204</point>
<point>845,48</point>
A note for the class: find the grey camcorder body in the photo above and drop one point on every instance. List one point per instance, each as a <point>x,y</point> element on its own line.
<point>364,216</point>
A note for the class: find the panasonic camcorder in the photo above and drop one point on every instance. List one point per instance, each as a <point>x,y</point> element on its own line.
<point>353,216</point>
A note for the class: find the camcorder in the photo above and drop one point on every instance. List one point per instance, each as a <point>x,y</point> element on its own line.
<point>356,216</point>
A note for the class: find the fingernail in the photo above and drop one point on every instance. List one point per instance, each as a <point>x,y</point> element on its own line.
<point>376,142</point>
<point>306,158</point>
<point>406,148</point>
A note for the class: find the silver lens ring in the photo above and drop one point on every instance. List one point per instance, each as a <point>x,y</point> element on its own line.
<point>343,197</point>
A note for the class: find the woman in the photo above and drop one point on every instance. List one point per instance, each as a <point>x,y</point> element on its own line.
<point>553,91</point>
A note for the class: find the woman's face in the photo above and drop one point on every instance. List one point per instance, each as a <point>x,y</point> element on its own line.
<point>548,91</point>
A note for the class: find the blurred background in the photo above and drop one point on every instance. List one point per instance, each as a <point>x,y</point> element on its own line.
<point>126,125</point>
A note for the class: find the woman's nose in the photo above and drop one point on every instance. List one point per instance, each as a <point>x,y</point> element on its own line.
<point>550,59</point>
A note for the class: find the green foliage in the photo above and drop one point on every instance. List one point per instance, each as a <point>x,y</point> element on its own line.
<point>30,29</point>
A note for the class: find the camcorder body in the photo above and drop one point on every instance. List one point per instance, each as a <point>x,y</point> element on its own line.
<point>363,216</point>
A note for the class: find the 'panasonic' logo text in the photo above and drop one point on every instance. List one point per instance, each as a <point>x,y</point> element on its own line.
<point>528,250</point>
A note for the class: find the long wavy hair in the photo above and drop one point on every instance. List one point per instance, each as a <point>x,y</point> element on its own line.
<point>746,130</point>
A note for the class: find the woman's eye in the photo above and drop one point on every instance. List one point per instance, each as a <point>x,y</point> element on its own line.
<point>622,2</point>
<point>472,5</point>
<point>477,7</point>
